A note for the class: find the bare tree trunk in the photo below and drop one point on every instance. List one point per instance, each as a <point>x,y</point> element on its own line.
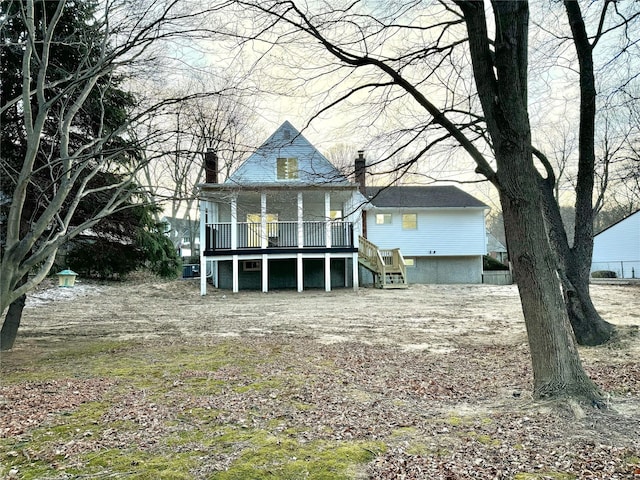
<point>588,326</point>
<point>11,323</point>
<point>557,369</point>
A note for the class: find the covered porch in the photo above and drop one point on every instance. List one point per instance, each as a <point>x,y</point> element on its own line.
<point>248,233</point>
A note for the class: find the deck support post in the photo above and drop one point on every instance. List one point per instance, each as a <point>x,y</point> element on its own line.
<point>354,264</point>
<point>327,272</point>
<point>299,273</point>
<point>265,273</point>
<point>236,283</point>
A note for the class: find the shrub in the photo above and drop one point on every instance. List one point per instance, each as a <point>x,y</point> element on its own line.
<point>603,274</point>
<point>489,263</point>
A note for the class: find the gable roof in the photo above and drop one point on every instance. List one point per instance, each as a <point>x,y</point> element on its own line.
<point>625,219</point>
<point>287,142</point>
<point>493,244</point>
<point>441,196</point>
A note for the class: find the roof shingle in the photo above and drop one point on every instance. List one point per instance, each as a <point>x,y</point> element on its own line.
<point>422,197</point>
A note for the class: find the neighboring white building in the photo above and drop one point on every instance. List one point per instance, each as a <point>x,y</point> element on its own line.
<point>496,249</point>
<point>617,248</point>
<point>440,231</point>
<point>184,234</point>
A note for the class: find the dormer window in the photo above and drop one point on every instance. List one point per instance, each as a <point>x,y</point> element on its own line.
<point>287,169</point>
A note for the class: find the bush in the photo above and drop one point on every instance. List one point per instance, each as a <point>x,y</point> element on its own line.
<point>489,263</point>
<point>604,274</point>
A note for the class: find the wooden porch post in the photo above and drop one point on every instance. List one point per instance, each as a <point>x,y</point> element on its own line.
<point>327,256</point>
<point>356,279</point>
<point>234,222</point>
<point>327,216</point>
<point>264,238</point>
<point>300,221</point>
<point>327,272</point>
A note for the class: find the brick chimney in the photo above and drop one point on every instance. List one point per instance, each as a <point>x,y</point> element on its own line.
<point>360,171</point>
<point>211,166</point>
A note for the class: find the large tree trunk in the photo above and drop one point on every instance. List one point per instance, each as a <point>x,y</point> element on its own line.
<point>501,80</point>
<point>588,325</point>
<point>557,370</point>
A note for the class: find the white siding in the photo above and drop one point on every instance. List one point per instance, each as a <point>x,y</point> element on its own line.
<point>440,232</point>
<point>286,142</point>
<point>618,248</point>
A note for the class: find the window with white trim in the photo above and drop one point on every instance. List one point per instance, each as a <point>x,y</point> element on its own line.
<point>383,218</point>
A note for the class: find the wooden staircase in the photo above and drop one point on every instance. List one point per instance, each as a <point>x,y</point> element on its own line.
<point>387,266</point>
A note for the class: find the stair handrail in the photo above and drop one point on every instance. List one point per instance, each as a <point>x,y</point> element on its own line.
<point>371,253</point>
<point>398,259</point>
<point>382,260</point>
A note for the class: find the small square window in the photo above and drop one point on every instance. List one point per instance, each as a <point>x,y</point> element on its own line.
<point>287,168</point>
<point>410,262</point>
<point>409,221</point>
<point>251,266</point>
<point>383,218</point>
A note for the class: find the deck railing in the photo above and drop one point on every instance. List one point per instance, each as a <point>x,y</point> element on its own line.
<point>278,235</point>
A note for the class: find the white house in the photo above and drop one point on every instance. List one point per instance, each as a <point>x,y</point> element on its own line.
<point>183,233</point>
<point>286,218</point>
<point>617,248</point>
<point>440,231</point>
<point>496,249</point>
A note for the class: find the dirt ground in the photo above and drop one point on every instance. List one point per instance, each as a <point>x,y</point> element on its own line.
<point>439,373</point>
<point>433,318</point>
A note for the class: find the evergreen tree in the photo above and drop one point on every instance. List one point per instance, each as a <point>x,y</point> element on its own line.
<point>66,155</point>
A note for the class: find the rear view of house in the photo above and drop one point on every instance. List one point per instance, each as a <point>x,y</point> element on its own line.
<point>286,218</point>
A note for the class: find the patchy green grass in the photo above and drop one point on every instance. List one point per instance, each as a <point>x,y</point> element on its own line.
<point>544,476</point>
<point>272,457</point>
<point>264,408</point>
<point>163,391</point>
